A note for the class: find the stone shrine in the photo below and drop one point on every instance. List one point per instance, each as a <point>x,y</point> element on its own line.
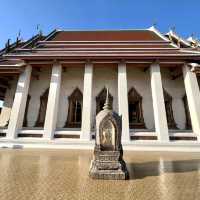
<point>108,160</point>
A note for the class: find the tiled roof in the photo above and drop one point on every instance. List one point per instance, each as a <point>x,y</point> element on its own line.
<point>121,35</point>
<point>107,44</point>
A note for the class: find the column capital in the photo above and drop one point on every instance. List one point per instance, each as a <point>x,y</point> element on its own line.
<point>156,62</point>
<point>194,67</point>
<point>24,67</point>
<point>88,61</point>
<point>122,61</point>
<point>55,61</point>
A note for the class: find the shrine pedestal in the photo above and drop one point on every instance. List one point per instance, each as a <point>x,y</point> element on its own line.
<point>108,165</point>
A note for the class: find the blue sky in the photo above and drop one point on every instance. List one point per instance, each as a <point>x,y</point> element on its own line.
<point>24,15</point>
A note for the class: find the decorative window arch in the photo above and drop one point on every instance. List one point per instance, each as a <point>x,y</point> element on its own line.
<point>169,111</point>
<point>74,117</point>
<point>101,98</point>
<point>25,123</point>
<point>188,124</point>
<point>42,110</point>
<point>136,119</point>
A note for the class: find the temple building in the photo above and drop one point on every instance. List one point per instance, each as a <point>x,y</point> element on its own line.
<point>53,86</point>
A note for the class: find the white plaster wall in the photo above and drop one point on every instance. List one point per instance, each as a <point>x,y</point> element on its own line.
<point>8,102</point>
<point>72,78</point>
<point>104,76</point>
<point>140,80</point>
<point>36,89</point>
<point>177,90</point>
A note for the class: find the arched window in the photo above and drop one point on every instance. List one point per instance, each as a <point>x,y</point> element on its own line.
<point>101,98</point>
<point>42,110</point>
<point>75,109</point>
<point>136,119</point>
<point>188,124</point>
<point>169,111</point>
<point>26,111</point>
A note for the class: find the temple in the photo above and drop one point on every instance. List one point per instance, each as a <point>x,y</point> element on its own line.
<point>53,86</point>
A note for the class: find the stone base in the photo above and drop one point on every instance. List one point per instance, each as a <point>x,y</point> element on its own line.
<point>108,165</point>
<point>112,174</point>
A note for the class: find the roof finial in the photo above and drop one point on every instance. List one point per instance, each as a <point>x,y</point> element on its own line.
<point>154,23</point>
<point>192,35</point>
<point>39,29</point>
<point>19,33</point>
<point>173,28</point>
<point>7,46</point>
<point>194,42</point>
<point>18,37</point>
<point>107,105</point>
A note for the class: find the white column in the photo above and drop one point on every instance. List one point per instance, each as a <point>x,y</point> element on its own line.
<point>53,102</point>
<point>87,103</point>
<point>123,100</point>
<point>193,98</point>
<point>19,103</point>
<point>158,103</point>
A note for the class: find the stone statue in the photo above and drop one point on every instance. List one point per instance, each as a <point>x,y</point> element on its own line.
<point>108,160</point>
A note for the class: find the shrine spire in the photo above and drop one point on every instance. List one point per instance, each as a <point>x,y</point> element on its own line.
<point>107,105</point>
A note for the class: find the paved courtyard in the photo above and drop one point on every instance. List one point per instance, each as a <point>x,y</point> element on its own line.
<point>63,174</point>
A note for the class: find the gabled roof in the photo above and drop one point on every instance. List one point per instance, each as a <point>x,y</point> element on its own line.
<point>104,44</point>
<point>177,40</point>
<point>10,47</point>
<point>106,35</point>
<point>193,42</point>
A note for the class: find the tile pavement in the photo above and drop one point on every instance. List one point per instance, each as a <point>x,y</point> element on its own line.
<point>63,174</point>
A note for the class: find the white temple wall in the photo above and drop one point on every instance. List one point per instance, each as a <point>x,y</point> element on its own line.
<point>8,102</point>
<point>140,80</point>
<point>177,90</point>
<point>37,88</point>
<point>104,76</point>
<point>72,78</point>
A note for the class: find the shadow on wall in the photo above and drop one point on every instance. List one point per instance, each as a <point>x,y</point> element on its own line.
<point>157,168</point>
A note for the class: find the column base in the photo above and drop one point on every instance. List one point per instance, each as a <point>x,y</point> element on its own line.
<point>85,137</point>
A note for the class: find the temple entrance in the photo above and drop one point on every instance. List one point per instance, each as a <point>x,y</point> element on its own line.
<point>169,111</point>
<point>136,119</point>
<point>75,110</point>
<point>42,109</point>
<point>134,112</point>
